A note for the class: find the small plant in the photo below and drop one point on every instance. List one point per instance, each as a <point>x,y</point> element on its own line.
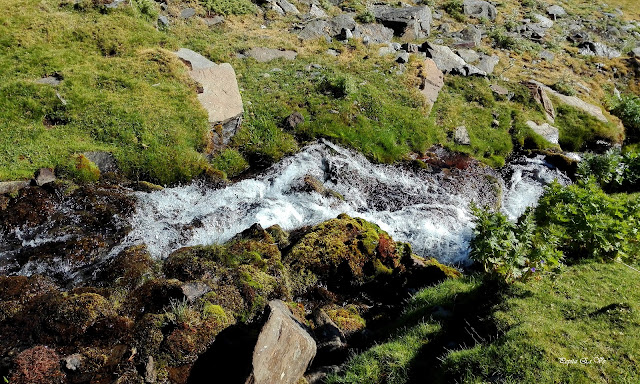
<point>366,17</point>
<point>628,110</point>
<point>503,40</point>
<point>339,86</point>
<point>564,87</point>
<point>228,7</point>
<point>455,9</point>
<point>145,8</point>
<point>180,312</point>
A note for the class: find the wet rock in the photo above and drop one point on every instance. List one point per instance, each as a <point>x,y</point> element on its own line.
<point>10,187</point>
<point>187,13</point>
<point>264,55</point>
<point>44,176</point>
<point>432,81</point>
<point>284,349</point>
<point>480,9</point>
<point>597,49</point>
<point>406,22</point>
<point>103,160</point>
<point>376,33</point>
<point>461,136</point>
<point>293,120</point>
<point>548,132</point>
<point>488,63</point>
<point>220,95</point>
<point>556,11</point>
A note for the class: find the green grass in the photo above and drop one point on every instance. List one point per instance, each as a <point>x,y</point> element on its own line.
<point>465,331</point>
<point>578,129</point>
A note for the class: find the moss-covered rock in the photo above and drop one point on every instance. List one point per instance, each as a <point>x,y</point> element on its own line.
<point>129,267</point>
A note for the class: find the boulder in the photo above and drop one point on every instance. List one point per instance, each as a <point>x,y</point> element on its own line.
<point>432,81</point>
<point>220,95</point>
<point>264,55</point>
<point>461,136</point>
<point>532,31</point>
<point>449,62</point>
<point>548,132</point>
<point>284,348</point>
<point>9,187</point>
<point>406,22</point>
<point>488,63</point>
<point>340,23</point>
<point>317,12</point>
<point>376,33</point>
<point>468,55</point>
<point>44,176</point>
<point>575,102</point>
<point>282,7</point>
<point>539,94</point>
<point>103,160</point>
<point>590,48</point>
<point>479,9</point>
<point>635,52</point>
<point>556,11</point>
<point>314,29</point>
<point>471,36</point>
<point>163,21</point>
<point>187,13</point>
<point>542,21</point>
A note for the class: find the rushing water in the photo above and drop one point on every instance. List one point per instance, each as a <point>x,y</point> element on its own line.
<point>427,208</point>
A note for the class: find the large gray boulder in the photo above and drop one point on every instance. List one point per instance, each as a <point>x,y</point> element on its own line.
<point>479,9</point>
<point>373,33</point>
<point>548,132</point>
<point>448,62</point>
<point>406,22</point>
<point>220,95</point>
<point>556,11</point>
<point>284,349</point>
<point>340,23</point>
<point>264,55</point>
<point>314,29</point>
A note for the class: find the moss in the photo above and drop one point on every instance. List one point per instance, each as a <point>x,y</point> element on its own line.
<point>82,170</point>
<point>214,312</point>
<point>347,318</point>
<point>76,313</point>
<point>231,162</point>
<point>257,288</point>
<point>129,267</point>
<point>39,364</point>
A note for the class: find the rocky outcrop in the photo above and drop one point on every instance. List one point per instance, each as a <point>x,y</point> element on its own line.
<point>284,349</point>
<point>448,62</point>
<point>539,94</point>
<point>480,9</point>
<point>575,102</point>
<point>219,95</point>
<point>373,33</point>
<point>590,48</point>
<point>406,22</point>
<point>548,132</point>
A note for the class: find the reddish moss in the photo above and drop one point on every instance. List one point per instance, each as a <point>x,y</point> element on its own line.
<point>39,364</point>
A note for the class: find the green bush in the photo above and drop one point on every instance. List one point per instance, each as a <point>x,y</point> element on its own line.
<point>228,7</point>
<point>502,40</point>
<point>614,171</point>
<point>455,9</point>
<point>628,110</point>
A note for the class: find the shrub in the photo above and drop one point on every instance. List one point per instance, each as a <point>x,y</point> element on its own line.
<point>39,364</point>
<point>228,7</point>
<point>455,9</point>
<point>628,110</point>
<point>510,251</point>
<point>502,40</point>
<point>614,171</point>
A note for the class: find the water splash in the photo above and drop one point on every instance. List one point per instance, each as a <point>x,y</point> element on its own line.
<point>427,209</point>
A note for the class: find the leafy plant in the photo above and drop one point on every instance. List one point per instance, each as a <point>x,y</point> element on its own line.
<point>628,110</point>
<point>455,9</point>
<point>228,7</point>
<point>614,171</point>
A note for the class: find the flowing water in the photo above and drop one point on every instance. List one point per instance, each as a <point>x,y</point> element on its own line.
<point>425,207</point>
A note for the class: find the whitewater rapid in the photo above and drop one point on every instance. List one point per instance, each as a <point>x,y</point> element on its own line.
<point>427,208</point>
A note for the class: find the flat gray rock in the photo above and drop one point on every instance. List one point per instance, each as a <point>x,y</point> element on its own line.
<point>488,63</point>
<point>314,30</point>
<point>406,22</point>
<point>194,60</point>
<point>284,349</point>
<point>575,102</point>
<point>287,7</point>
<point>376,33</point>
<point>444,58</point>
<point>187,13</point>
<point>468,55</point>
<point>340,23</point>
<point>479,9</point>
<point>556,11</point>
<point>8,187</point>
<point>264,55</point>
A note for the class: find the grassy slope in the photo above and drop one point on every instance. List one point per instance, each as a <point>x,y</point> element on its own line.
<point>588,311</point>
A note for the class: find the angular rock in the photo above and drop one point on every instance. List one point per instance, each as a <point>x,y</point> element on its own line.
<point>578,37</point>
<point>340,23</point>
<point>548,56</point>
<point>406,22</point>
<point>220,95</point>
<point>444,58</point>
<point>432,81</point>
<point>539,94</point>
<point>314,30</point>
<point>471,36</point>
<point>283,7</point>
<point>329,336</point>
<point>163,21</point>
<point>402,57</point>
<point>461,136</point>
<point>575,102</point>
<point>548,132</point>
<point>532,31</point>
<point>635,52</point>
<point>264,55</point>
<point>597,49</point>
<point>195,290</point>
<point>215,20</point>
<point>284,349</point>
<point>556,11</point>
<point>376,33</point>
<point>488,63</point>
<point>468,55</point>
<point>103,160</point>
<point>479,9</point>
<point>543,22</point>
<point>44,176</point>
<point>317,12</point>
<point>187,13</point>
<point>499,90</point>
